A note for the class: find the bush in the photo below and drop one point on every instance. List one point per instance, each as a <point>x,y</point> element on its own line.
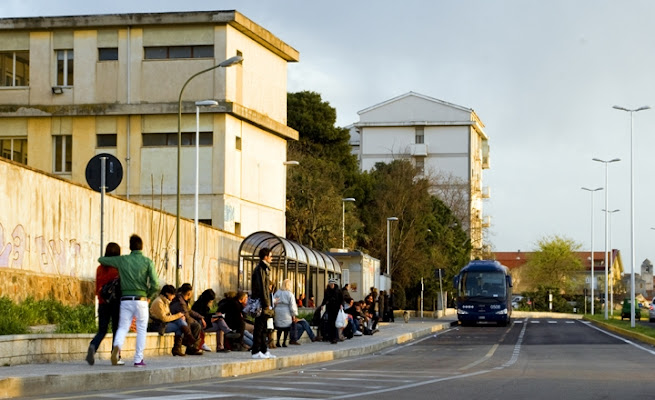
<point>18,317</point>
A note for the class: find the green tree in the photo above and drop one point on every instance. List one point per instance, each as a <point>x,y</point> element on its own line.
<point>316,187</point>
<point>555,265</point>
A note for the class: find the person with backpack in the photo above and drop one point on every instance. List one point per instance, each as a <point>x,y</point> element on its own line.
<point>107,310</point>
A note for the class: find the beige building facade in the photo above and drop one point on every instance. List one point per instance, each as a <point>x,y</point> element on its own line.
<point>73,87</point>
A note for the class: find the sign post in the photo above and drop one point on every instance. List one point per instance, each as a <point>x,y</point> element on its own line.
<point>103,174</point>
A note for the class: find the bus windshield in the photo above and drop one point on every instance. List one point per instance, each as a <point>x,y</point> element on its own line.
<point>483,284</point>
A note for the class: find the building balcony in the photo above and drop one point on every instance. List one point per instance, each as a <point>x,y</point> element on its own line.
<point>486,221</point>
<point>418,149</point>
<point>486,192</point>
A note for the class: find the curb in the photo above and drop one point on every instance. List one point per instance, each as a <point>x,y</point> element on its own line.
<point>623,332</point>
<point>126,378</point>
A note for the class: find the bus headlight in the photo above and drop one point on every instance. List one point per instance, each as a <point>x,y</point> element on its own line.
<point>460,311</point>
<point>502,312</point>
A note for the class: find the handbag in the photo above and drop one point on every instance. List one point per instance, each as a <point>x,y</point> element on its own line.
<point>253,308</point>
<point>111,291</point>
<point>269,324</point>
<point>341,320</point>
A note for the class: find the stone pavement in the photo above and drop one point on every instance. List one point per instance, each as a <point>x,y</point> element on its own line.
<point>78,376</point>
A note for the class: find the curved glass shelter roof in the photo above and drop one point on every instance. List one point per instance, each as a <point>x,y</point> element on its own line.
<point>288,257</point>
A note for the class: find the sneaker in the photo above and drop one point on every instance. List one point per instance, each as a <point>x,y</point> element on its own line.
<point>269,355</point>
<point>140,364</point>
<point>357,333</point>
<point>114,355</point>
<point>206,348</point>
<point>91,355</point>
<point>120,362</point>
<point>259,356</point>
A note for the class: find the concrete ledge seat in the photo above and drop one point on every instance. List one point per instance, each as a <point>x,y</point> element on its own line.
<point>51,347</point>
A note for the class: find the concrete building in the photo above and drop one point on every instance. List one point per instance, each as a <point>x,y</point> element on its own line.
<point>76,86</point>
<point>445,141</point>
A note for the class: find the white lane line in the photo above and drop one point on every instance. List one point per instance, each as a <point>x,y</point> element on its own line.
<point>515,355</point>
<point>487,356</point>
<point>552,322</point>
<point>589,324</point>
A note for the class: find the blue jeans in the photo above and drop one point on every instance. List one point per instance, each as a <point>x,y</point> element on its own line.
<point>106,312</point>
<point>301,326</point>
<point>247,338</point>
<point>176,326</point>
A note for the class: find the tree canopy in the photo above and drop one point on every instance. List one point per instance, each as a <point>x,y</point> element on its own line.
<point>555,264</point>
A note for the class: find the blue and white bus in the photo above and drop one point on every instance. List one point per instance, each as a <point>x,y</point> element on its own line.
<point>484,293</point>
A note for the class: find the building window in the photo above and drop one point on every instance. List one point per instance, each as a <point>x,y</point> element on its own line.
<point>106,140</point>
<point>63,154</point>
<point>15,68</point>
<point>108,54</point>
<point>419,135</point>
<point>419,162</point>
<point>64,67</point>
<point>166,52</point>
<point>238,143</point>
<point>14,149</point>
<point>170,139</point>
<point>237,228</point>
<point>205,221</point>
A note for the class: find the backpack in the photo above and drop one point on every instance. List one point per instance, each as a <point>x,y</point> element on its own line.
<point>111,291</point>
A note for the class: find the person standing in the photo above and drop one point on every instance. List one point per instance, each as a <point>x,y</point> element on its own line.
<point>333,302</point>
<point>106,311</point>
<point>138,283</point>
<point>260,291</point>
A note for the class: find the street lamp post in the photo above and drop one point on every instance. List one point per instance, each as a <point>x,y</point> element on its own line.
<point>607,190</point>
<point>592,244</point>
<point>611,262</point>
<point>227,63</point>
<point>632,208</point>
<point>389,245</point>
<point>343,220</point>
<point>202,103</point>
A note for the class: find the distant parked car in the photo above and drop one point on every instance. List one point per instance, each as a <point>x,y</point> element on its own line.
<point>625,310</point>
<point>651,311</point>
<point>516,301</point>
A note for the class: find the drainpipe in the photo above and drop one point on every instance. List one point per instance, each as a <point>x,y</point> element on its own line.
<point>129,101</point>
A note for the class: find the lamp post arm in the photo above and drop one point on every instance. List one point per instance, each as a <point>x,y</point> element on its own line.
<point>179,146</point>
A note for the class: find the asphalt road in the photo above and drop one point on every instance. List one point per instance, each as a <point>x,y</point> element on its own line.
<point>530,359</point>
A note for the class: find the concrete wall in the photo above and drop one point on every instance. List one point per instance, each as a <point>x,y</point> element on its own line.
<point>50,239</point>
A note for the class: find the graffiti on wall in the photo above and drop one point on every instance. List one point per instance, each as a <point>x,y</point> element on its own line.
<point>56,256</point>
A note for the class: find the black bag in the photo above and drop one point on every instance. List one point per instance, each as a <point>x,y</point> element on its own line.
<point>111,291</point>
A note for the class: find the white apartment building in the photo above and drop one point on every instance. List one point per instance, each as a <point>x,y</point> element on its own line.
<point>76,86</point>
<point>444,140</point>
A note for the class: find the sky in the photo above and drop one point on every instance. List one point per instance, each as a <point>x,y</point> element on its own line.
<point>541,75</point>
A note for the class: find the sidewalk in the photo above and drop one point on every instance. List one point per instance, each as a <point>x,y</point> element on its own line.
<point>78,376</point>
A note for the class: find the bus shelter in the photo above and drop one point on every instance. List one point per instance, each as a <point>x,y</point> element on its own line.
<point>308,269</point>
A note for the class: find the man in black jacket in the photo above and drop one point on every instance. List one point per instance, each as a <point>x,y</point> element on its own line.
<point>261,291</point>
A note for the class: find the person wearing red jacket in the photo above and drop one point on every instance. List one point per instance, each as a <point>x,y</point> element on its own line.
<point>106,311</point>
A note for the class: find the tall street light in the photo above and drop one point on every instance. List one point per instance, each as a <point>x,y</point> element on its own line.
<point>202,103</point>
<point>389,245</point>
<point>611,262</point>
<point>227,63</point>
<point>632,208</point>
<point>343,220</point>
<point>607,190</point>
<point>592,244</point>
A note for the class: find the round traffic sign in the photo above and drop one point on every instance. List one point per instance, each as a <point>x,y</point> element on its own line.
<point>113,172</point>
